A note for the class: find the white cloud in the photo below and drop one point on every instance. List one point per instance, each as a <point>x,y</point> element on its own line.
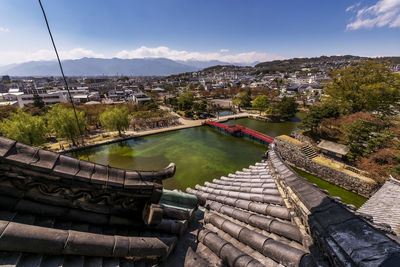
<point>383,13</point>
<point>75,53</point>
<point>2,29</point>
<point>166,52</point>
<point>8,57</point>
<point>353,7</point>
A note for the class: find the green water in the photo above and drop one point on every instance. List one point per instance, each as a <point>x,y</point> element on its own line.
<point>201,154</point>
<point>272,129</point>
<point>346,196</point>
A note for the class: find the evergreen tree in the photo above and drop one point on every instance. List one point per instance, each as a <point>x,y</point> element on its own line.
<point>38,101</point>
<point>185,101</point>
<point>287,108</point>
<point>327,109</point>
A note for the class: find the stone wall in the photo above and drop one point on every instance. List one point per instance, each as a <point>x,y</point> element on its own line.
<point>292,154</point>
<point>299,136</point>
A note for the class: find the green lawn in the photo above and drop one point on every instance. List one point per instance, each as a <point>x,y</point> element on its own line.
<point>347,196</point>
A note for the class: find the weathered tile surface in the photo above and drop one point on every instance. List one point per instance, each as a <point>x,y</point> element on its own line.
<point>384,205</point>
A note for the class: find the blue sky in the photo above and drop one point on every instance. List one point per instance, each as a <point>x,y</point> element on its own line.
<point>227,30</point>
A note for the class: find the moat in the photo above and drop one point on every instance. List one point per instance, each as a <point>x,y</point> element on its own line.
<point>200,153</point>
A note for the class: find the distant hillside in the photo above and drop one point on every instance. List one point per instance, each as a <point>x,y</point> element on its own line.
<point>163,66</point>
<point>323,63</point>
<point>329,62</point>
<point>202,64</point>
<point>98,66</point>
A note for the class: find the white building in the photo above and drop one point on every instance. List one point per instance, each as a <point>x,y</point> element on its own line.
<point>49,97</point>
<point>139,98</point>
<point>11,95</point>
<point>9,103</point>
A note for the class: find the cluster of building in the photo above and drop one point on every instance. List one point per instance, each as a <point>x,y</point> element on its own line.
<point>22,92</point>
<point>303,80</point>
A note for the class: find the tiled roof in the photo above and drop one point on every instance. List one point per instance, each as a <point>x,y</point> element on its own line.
<point>384,205</point>
<point>266,215</point>
<point>333,147</point>
<point>345,239</point>
<point>60,211</point>
<point>247,221</point>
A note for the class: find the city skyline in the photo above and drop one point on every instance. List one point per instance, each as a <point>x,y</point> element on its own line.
<point>229,31</point>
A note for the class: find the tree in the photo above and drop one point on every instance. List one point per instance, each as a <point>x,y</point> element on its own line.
<point>287,108</point>
<point>188,113</point>
<point>365,134</point>
<point>63,123</point>
<point>92,113</point>
<point>368,87</point>
<point>24,128</point>
<point>380,164</point>
<point>199,107</point>
<point>357,135</point>
<point>326,109</point>
<point>38,101</point>
<point>261,103</point>
<point>185,101</point>
<point>172,101</point>
<point>242,99</point>
<point>6,111</point>
<point>273,111</point>
<point>115,119</point>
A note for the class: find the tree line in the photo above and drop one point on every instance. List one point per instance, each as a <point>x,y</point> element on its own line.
<point>34,125</point>
<point>277,109</point>
<point>361,110</point>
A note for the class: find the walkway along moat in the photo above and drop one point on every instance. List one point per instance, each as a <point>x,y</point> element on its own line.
<point>201,153</point>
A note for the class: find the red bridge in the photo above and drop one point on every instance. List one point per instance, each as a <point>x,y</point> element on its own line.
<point>238,130</point>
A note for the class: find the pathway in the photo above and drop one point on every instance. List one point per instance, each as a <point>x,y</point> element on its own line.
<point>185,123</point>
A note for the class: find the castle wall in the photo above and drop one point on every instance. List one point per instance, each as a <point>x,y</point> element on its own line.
<point>292,154</point>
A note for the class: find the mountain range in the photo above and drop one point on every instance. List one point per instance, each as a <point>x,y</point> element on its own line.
<point>109,67</point>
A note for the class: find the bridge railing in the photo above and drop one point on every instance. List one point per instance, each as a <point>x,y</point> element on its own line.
<point>233,128</point>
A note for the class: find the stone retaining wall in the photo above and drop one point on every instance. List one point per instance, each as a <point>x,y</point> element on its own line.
<point>301,137</point>
<point>292,154</point>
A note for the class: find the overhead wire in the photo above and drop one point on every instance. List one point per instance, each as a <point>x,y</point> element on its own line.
<point>62,71</point>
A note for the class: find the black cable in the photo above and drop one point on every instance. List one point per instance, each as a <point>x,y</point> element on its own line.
<point>62,71</point>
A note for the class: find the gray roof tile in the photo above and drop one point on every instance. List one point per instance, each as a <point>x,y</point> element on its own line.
<point>384,205</point>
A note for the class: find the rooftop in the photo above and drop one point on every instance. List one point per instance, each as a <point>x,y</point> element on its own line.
<point>60,211</point>
<point>384,205</point>
<point>333,147</point>
<point>266,215</point>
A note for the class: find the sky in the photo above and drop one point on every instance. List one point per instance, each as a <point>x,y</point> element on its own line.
<point>236,31</point>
